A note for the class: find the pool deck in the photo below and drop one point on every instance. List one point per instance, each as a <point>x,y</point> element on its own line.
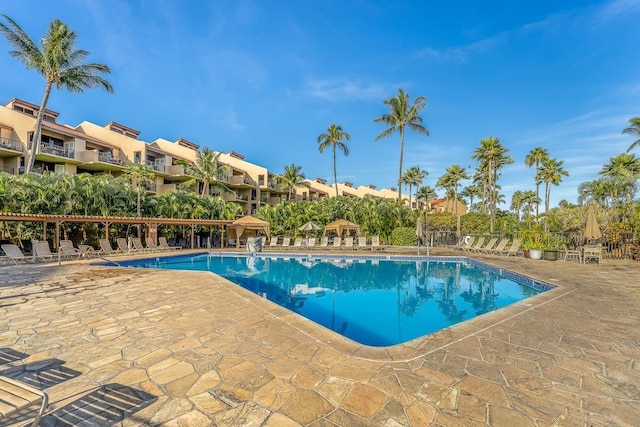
<point>137,347</point>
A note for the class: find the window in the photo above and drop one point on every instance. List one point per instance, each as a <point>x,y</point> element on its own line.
<point>137,156</point>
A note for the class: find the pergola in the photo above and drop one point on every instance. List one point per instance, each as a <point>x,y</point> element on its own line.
<point>152,224</point>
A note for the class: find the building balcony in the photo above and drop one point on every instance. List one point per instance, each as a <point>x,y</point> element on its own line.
<point>56,150</point>
<point>158,167</point>
<point>7,169</point>
<point>95,160</point>
<point>9,147</point>
<point>242,181</point>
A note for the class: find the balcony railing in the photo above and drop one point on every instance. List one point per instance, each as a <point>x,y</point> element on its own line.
<point>156,167</point>
<point>11,144</point>
<point>149,187</point>
<point>57,151</point>
<point>242,197</point>
<point>109,158</point>
<point>7,170</point>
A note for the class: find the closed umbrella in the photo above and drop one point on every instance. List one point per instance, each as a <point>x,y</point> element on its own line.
<point>592,230</point>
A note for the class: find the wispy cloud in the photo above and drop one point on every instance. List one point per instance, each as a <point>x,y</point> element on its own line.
<point>461,54</point>
<point>346,89</point>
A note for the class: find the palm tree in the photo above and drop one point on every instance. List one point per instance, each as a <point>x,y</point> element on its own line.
<point>623,165</point>
<point>426,193</point>
<point>535,157</point>
<point>517,200</point>
<point>334,137</point>
<point>529,198</point>
<point>551,172</point>
<point>402,114</point>
<point>207,169</point>
<point>471,192</point>
<point>291,178</point>
<point>633,130</point>
<point>139,174</point>
<point>492,156</point>
<point>451,180</point>
<point>58,62</point>
<point>413,177</point>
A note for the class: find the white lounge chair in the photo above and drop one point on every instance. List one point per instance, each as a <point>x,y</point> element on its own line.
<point>499,247</point>
<point>324,242</point>
<point>375,243</point>
<point>68,251</point>
<point>311,242</point>
<point>348,243</point>
<point>297,243</point>
<point>138,246</point>
<point>107,249</point>
<point>337,242</point>
<point>362,243</point>
<point>286,242</point>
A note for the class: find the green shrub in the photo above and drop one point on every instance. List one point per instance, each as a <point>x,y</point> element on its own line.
<point>404,236</point>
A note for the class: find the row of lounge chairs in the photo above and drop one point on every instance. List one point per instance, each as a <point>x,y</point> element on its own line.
<point>348,243</point>
<point>136,246</point>
<point>41,252</point>
<point>492,246</point>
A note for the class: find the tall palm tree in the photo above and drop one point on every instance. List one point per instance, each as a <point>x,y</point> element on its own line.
<point>139,174</point>
<point>633,130</point>
<point>291,178</point>
<point>334,137</point>
<point>551,172</point>
<point>58,62</point>
<point>402,114</point>
<point>413,177</point>
<point>207,169</point>
<point>534,158</point>
<point>471,192</point>
<point>451,180</point>
<point>623,165</point>
<point>492,156</point>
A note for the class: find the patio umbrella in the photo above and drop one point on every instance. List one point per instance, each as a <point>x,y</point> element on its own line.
<point>592,230</point>
<point>309,226</point>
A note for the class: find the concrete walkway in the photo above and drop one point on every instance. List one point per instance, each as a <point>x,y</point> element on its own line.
<point>133,347</point>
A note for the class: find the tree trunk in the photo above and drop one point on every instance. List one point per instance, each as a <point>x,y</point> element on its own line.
<point>400,168</point>
<point>34,145</point>
<point>335,173</point>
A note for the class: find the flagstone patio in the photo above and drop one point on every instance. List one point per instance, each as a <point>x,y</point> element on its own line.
<point>134,347</point>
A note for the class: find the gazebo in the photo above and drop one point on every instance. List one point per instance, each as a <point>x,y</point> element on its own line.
<point>248,226</point>
<point>342,227</point>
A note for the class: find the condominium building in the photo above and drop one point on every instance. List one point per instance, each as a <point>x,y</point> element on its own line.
<point>94,149</point>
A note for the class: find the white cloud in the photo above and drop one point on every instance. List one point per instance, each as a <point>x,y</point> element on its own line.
<point>345,89</point>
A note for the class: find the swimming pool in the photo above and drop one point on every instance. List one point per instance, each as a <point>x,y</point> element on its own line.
<point>376,301</point>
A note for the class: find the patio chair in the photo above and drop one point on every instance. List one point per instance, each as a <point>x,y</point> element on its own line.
<point>138,246</point>
<point>107,249</point>
<point>478,244</point>
<point>68,251</point>
<point>571,254</point>
<point>123,246</point>
<point>375,243</point>
<point>163,244</point>
<point>514,249</point>
<point>463,244</point>
<point>486,248</point>
<point>362,243</point>
<point>348,243</point>
<point>499,247</point>
<point>286,242</point>
<point>592,253</point>
<point>324,242</point>
<point>41,250</point>
<point>273,242</point>
<point>311,242</point>
<point>297,243</point>
<point>151,246</point>
<point>17,398</point>
<point>14,254</point>
<point>337,242</point>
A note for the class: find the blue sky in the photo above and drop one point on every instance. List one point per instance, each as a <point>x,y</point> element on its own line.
<point>265,78</point>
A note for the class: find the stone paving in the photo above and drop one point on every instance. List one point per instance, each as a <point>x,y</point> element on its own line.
<point>136,347</point>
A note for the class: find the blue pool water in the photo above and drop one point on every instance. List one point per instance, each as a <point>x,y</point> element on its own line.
<point>376,302</point>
